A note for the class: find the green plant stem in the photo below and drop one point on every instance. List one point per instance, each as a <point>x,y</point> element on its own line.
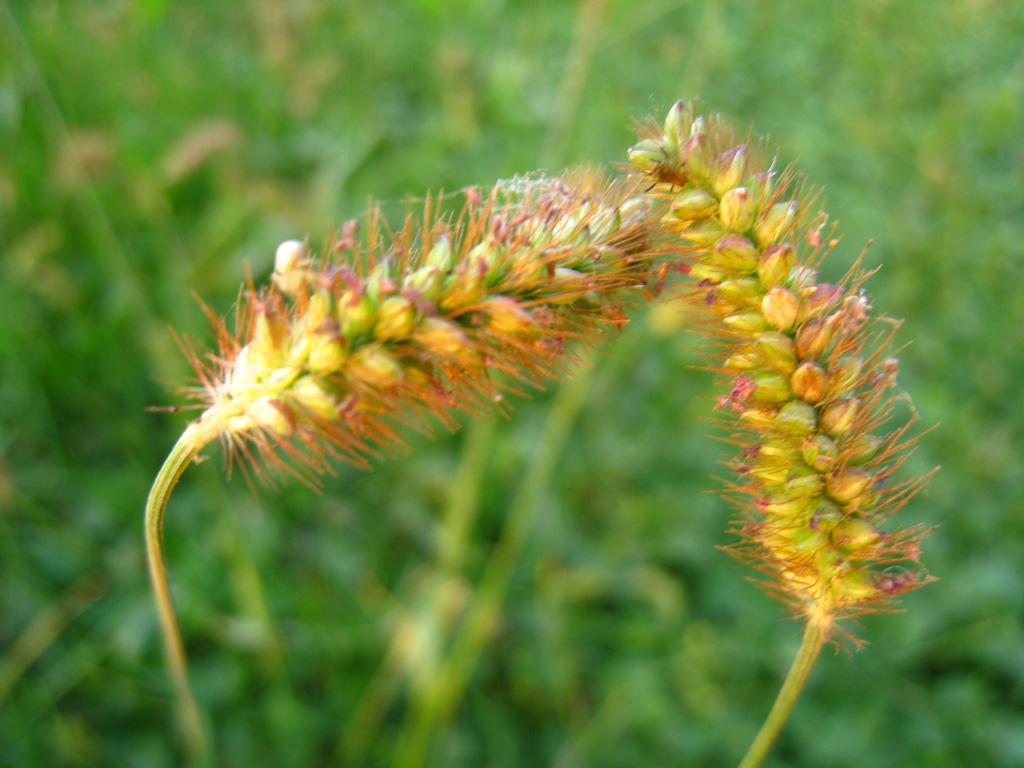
<point>464,496</point>
<point>814,638</point>
<point>585,36</point>
<point>192,440</point>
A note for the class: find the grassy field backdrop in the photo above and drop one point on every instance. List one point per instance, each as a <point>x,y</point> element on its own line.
<point>151,150</point>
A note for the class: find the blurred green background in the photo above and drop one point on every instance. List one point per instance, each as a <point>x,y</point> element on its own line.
<point>150,151</point>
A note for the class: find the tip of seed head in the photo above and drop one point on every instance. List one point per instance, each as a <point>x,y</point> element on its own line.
<point>288,256</point>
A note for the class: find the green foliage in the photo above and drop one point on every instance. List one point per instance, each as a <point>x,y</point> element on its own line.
<point>150,149</point>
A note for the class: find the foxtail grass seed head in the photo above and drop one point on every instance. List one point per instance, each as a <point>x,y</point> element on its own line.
<point>442,314</point>
<point>805,371</point>
<point>343,347</point>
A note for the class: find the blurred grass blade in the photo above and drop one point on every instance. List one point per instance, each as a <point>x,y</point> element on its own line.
<point>39,635</point>
<point>433,711</point>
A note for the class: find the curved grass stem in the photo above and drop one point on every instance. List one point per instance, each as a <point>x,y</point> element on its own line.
<point>192,440</point>
<point>814,638</point>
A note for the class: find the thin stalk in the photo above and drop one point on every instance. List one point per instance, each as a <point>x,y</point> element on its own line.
<point>814,638</point>
<point>192,440</point>
<point>585,34</point>
<point>464,496</point>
